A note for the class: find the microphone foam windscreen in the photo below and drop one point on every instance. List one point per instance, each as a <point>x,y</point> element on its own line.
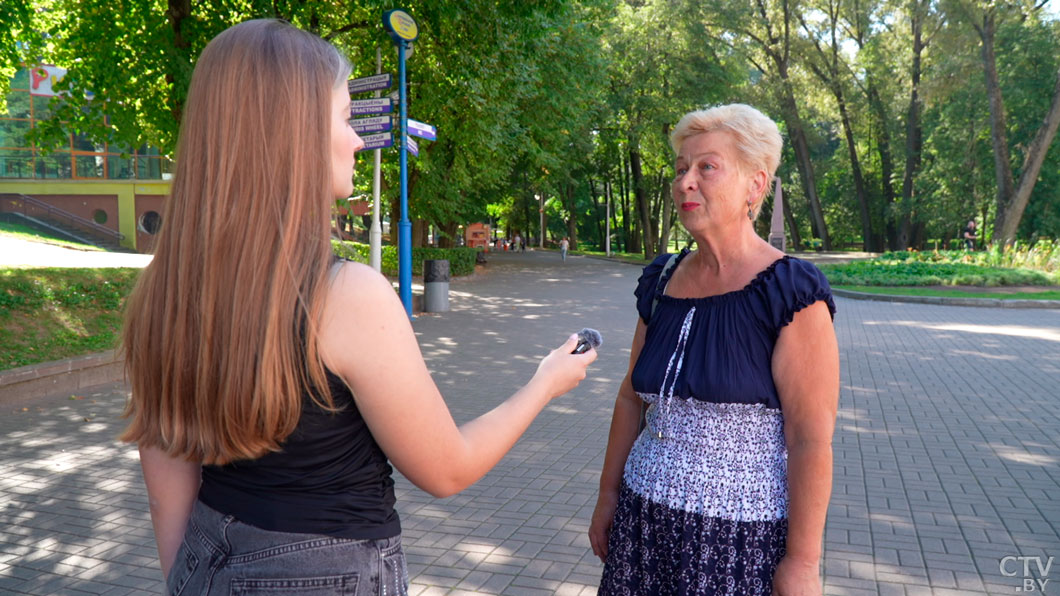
<point>591,337</point>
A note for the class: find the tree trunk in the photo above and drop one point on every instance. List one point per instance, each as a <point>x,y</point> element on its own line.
<point>596,214</point>
<point>572,219</point>
<point>447,239</point>
<point>1008,220</point>
<point>641,196</point>
<point>796,238</point>
<point>178,11</point>
<point>883,147</point>
<point>802,159</point>
<point>830,76</point>
<point>859,179</point>
<point>1011,199</point>
<point>914,136</point>
<point>630,241</point>
<point>667,217</point>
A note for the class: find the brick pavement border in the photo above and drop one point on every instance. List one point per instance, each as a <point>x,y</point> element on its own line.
<point>949,300</point>
<point>59,376</point>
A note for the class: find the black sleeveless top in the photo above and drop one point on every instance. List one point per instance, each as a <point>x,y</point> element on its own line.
<point>330,478</point>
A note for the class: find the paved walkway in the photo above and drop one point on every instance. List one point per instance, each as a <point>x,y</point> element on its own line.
<point>16,252</point>
<point>947,452</point>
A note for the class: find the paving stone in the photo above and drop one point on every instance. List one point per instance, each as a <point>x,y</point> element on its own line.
<point>945,449</point>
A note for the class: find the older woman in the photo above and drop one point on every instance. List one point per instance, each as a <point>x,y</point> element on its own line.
<point>725,489</point>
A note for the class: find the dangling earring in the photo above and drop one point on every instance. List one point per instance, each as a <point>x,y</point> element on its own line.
<point>750,212</point>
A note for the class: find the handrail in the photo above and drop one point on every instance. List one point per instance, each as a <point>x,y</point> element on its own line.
<point>57,213</point>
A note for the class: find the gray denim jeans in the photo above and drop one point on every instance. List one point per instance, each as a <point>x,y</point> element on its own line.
<point>223,556</point>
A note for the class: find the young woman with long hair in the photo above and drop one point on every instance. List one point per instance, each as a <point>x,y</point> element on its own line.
<point>270,383</point>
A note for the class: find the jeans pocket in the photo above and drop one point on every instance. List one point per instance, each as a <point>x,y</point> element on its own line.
<point>333,585</point>
<point>183,569</point>
<point>395,580</point>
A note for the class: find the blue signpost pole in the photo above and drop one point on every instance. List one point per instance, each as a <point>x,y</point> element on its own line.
<point>405,227</point>
<point>403,30</point>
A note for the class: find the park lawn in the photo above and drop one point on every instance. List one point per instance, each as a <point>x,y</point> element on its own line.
<point>635,258</point>
<point>963,292</point>
<point>24,232</point>
<point>53,313</point>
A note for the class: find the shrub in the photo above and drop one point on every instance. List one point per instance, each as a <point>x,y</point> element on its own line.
<point>461,260</point>
<point>990,268</point>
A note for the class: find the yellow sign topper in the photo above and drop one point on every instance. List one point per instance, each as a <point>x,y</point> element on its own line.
<point>400,25</point>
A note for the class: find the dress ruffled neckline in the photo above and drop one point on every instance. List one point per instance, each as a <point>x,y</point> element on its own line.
<point>758,280</point>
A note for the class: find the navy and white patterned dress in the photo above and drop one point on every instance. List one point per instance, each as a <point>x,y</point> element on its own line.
<point>703,505</point>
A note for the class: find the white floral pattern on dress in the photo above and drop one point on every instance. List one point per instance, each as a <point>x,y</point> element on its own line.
<point>719,460</point>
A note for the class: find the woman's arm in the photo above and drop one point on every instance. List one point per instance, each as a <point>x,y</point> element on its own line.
<point>366,339</point>
<point>172,486</point>
<point>625,424</point>
<point>806,373</point>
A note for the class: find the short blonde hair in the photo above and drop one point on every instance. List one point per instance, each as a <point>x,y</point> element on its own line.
<point>755,136</point>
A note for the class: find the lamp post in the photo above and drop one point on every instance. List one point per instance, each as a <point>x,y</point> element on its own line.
<point>375,236</point>
<point>402,29</point>
<point>541,216</point>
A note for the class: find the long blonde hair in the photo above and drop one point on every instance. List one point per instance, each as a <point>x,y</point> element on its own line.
<point>220,336</point>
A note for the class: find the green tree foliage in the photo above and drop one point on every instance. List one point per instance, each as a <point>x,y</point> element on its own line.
<point>566,103</point>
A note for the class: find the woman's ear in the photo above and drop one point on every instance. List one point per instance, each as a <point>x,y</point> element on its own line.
<point>759,185</point>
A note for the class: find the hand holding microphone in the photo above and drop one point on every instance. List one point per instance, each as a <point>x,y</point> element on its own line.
<point>565,366</point>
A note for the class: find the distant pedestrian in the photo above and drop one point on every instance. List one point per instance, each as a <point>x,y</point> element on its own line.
<point>968,235</point>
<point>563,246</point>
<point>517,242</point>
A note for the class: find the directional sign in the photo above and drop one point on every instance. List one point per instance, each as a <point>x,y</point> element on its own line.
<point>421,130</point>
<point>361,107</point>
<point>372,124</point>
<point>372,83</point>
<point>377,141</point>
<point>413,147</point>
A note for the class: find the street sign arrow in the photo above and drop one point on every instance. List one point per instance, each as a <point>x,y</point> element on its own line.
<point>377,141</point>
<point>421,130</point>
<point>372,83</point>
<point>414,148</point>
<point>372,124</point>
<point>361,107</point>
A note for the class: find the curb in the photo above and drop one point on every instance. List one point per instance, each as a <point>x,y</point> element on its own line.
<point>950,301</point>
<point>59,376</point>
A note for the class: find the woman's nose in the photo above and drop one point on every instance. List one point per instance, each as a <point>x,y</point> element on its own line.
<point>685,182</point>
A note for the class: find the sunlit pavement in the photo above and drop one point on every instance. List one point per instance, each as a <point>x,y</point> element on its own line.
<point>947,461</point>
<point>15,252</point>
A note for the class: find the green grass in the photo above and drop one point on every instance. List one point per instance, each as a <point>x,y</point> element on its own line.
<point>53,313</point>
<point>954,268</point>
<point>627,257</point>
<point>920,291</point>
<point>24,232</point>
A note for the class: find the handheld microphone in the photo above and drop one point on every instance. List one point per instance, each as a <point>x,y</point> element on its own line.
<point>588,338</point>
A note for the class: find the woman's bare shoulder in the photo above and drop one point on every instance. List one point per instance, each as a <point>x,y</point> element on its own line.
<point>356,281</point>
<point>358,294</point>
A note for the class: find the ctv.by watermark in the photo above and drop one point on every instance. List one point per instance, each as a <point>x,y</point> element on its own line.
<point>1035,571</point>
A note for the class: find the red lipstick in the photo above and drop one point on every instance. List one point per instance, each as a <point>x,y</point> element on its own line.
<point>689,205</point>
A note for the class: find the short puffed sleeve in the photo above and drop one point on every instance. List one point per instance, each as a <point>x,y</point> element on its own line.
<point>647,286</point>
<point>796,284</point>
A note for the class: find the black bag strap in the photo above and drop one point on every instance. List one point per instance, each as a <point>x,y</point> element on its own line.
<point>664,279</point>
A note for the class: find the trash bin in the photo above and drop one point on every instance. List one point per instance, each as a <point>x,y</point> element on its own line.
<point>435,285</point>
